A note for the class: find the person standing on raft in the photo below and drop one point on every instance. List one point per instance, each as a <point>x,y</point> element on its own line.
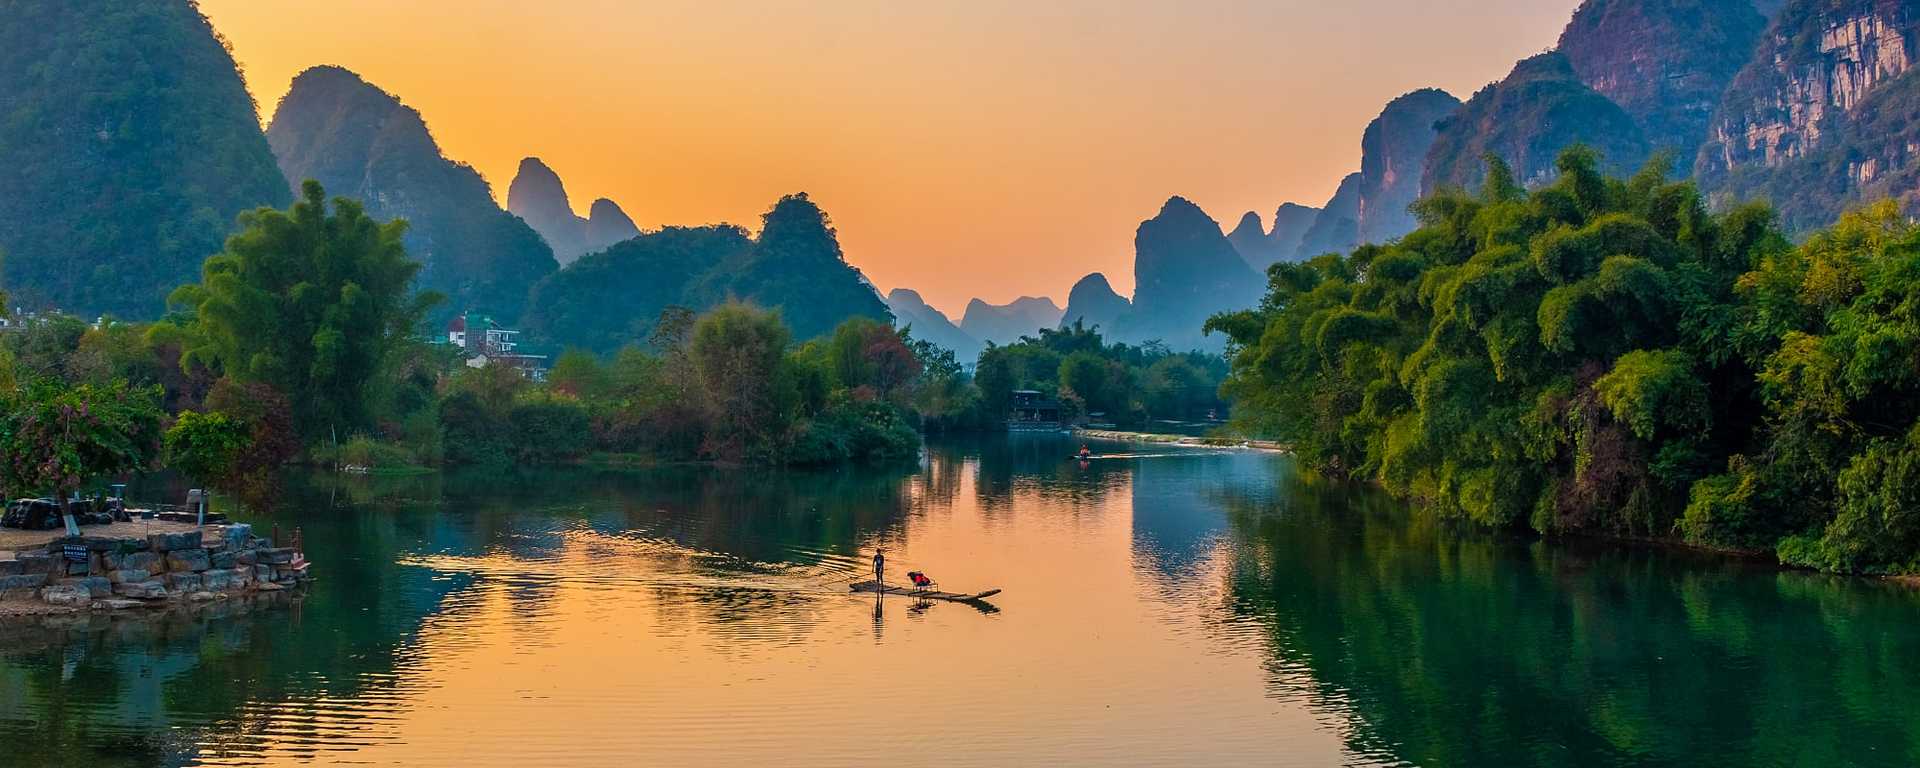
<point>879,567</point>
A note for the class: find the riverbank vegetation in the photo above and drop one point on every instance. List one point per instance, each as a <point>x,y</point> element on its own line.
<point>1607,356</point>
<point>1120,384</point>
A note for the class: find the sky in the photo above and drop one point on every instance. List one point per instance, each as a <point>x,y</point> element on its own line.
<point>991,148</point>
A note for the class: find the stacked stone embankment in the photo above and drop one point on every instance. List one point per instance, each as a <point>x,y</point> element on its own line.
<point>109,572</point>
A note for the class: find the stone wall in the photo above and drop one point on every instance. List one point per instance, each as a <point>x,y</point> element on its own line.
<point>104,573</point>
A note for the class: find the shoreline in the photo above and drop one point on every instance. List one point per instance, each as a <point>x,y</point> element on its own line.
<point>132,566</point>
<point>1154,438</point>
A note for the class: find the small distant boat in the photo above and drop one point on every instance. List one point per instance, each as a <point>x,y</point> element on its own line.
<point>889,589</point>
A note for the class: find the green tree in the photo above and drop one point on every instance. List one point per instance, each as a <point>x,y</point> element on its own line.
<point>206,447</point>
<point>56,438</point>
<point>741,354</point>
<point>310,300</point>
<point>1562,358</point>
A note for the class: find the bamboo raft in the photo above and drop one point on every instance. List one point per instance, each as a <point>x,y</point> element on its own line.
<point>928,594</point>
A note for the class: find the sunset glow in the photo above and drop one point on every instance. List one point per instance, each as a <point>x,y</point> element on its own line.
<point>1020,143</point>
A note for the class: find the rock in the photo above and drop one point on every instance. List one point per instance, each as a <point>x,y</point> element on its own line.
<point>95,586</point>
<point>268,586</point>
<point>185,582</point>
<point>172,542</point>
<point>203,597</point>
<point>145,590</point>
<point>1393,152</point>
<point>246,557</point>
<point>237,536</point>
<point>219,580</point>
<point>79,569</point>
<point>128,575</point>
<point>116,604</point>
<point>23,581</point>
<point>194,560</point>
<point>263,573</point>
<point>223,560</point>
<point>279,556</point>
<point>68,596</point>
<point>11,568</point>
<point>140,561</point>
<point>38,562</point>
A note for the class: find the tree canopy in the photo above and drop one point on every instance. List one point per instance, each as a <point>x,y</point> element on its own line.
<point>309,300</point>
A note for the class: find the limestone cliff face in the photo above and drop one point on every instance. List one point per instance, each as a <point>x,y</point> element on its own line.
<point>362,142</point>
<point>1185,271</point>
<point>1666,62</point>
<point>1392,155</point>
<point>1336,228</point>
<point>911,311</point>
<point>1094,304</point>
<point>1541,108</point>
<point>1006,323</point>
<point>1819,118</point>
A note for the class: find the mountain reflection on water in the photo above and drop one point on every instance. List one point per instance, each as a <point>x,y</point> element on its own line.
<point>1164,607</point>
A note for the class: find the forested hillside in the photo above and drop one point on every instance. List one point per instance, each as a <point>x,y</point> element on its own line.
<point>129,144</point>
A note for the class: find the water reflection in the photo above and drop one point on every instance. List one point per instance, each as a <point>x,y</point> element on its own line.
<point>1162,607</point>
<point>1444,648</point>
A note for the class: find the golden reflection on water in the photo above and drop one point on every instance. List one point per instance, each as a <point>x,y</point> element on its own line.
<point>623,647</point>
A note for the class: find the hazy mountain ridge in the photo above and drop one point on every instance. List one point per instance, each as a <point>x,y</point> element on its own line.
<point>130,145</point>
<point>1094,304</point>
<point>538,196</point>
<point>1185,271</point>
<point>932,325</point>
<point>361,142</point>
<point>1006,323</point>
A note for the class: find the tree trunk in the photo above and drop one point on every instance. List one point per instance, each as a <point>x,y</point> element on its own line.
<point>66,512</point>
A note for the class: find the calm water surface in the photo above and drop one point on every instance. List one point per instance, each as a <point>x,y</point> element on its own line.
<point>1173,607</point>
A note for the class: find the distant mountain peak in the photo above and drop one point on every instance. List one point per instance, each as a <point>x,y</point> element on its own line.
<point>360,141</point>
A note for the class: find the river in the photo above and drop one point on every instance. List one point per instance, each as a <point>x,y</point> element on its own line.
<point>1162,606</point>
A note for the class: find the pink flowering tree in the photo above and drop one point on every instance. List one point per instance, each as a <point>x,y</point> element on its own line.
<point>56,437</point>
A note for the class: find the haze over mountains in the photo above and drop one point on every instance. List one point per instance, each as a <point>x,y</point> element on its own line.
<point>122,178</point>
<point>361,142</point>
<point>538,197</point>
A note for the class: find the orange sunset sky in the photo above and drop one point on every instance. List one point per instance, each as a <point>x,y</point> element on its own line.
<point>988,148</point>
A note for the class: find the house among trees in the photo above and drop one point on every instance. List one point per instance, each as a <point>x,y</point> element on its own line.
<point>1032,410</point>
<point>487,342</point>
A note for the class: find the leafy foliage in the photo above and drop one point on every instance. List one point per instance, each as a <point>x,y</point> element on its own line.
<point>1128,385</point>
<point>55,437</point>
<point>311,301</point>
<point>795,266</point>
<point>206,446</point>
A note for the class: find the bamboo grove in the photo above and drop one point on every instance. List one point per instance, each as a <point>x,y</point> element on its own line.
<point>1609,356</point>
